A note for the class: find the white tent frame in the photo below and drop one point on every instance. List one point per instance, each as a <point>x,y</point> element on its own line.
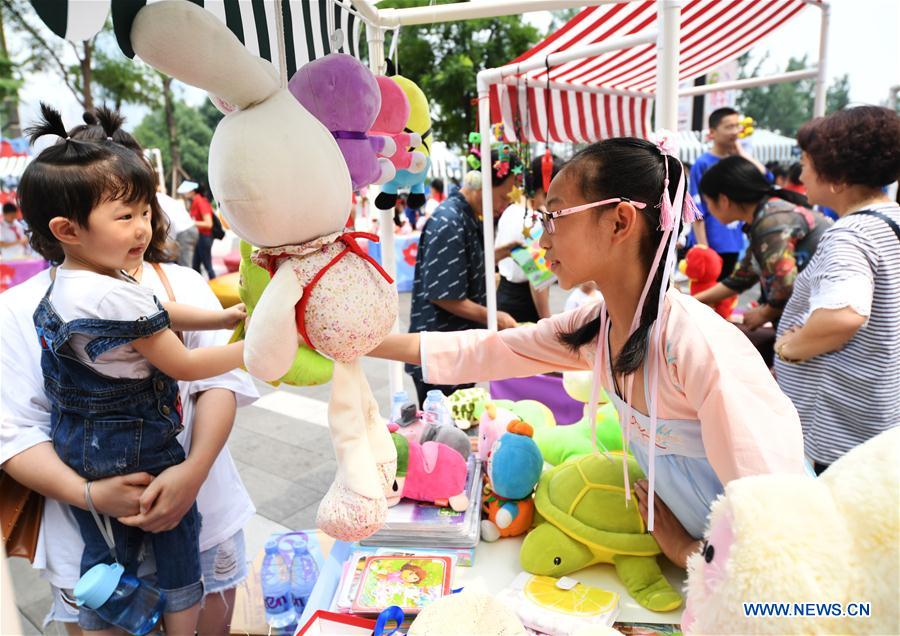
<point>668,52</point>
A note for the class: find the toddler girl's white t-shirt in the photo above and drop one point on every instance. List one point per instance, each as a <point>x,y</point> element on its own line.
<point>82,294</point>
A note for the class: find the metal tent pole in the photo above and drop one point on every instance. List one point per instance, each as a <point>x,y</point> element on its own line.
<point>668,54</point>
<point>487,198</point>
<point>822,79</point>
<point>375,39</point>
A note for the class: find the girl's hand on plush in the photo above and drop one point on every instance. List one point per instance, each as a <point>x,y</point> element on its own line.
<point>120,495</point>
<point>167,499</point>
<point>233,316</point>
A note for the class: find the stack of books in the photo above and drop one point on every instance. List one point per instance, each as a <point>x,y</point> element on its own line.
<point>416,524</point>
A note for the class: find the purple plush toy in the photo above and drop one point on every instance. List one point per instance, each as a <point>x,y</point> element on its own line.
<point>342,93</point>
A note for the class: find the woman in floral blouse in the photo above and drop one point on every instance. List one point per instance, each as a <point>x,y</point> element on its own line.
<point>782,229</point>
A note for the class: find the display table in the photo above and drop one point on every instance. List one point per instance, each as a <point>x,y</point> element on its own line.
<point>17,271</point>
<point>406,246</point>
<point>495,567</point>
<point>497,564</point>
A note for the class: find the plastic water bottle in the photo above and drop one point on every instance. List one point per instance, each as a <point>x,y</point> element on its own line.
<point>304,573</point>
<point>121,599</point>
<point>276,588</point>
<point>435,408</point>
<point>400,398</point>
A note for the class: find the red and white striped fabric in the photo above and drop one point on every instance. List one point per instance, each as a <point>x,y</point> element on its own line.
<point>712,32</point>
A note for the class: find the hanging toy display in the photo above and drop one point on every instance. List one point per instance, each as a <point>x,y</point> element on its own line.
<point>499,132</point>
<point>342,93</point>
<point>391,122</point>
<point>473,157</point>
<point>419,122</point>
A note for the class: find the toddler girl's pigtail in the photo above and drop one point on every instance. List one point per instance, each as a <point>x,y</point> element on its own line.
<point>50,123</point>
<point>111,121</point>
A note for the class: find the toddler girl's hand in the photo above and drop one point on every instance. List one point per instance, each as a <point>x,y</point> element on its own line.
<point>233,316</point>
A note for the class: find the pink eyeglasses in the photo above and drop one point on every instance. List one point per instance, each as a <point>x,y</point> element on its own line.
<point>547,217</point>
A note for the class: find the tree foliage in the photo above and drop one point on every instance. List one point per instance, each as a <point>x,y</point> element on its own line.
<point>444,58</point>
<point>192,132</point>
<point>785,107</point>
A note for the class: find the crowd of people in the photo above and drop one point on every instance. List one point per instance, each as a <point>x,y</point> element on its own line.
<point>135,345</point>
<point>189,217</point>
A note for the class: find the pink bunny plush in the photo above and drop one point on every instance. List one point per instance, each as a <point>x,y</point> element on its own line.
<point>391,123</point>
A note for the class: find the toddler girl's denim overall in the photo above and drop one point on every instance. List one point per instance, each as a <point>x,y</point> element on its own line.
<point>101,427</point>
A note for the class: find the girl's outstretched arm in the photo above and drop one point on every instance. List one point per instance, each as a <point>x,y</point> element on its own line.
<point>402,347</point>
<point>168,354</point>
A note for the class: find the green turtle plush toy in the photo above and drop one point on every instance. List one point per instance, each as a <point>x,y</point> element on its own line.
<point>309,368</point>
<point>582,519</point>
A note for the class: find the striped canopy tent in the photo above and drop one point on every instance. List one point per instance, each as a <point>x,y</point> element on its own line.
<point>305,29</point>
<point>611,94</point>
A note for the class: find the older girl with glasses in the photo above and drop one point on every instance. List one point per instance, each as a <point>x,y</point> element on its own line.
<point>678,374</point>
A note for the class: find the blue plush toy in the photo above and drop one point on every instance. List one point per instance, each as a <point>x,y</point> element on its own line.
<point>513,471</point>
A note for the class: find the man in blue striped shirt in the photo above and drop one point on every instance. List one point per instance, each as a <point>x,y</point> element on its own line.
<point>449,291</point>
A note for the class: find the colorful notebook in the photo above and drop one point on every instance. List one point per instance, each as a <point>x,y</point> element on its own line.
<point>531,258</point>
<point>409,583</point>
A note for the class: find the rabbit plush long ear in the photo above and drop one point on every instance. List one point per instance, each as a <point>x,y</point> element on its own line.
<point>192,45</point>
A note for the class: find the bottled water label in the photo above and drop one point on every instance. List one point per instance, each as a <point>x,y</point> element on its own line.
<point>279,610</point>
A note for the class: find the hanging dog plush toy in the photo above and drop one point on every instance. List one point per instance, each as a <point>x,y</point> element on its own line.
<point>283,185</point>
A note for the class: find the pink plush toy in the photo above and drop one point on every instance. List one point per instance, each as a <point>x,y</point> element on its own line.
<point>431,472</point>
<point>391,123</point>
<point>491,426</point>
<point>342,93</point>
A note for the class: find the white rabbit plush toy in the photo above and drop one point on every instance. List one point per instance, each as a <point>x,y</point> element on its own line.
<point>283,186</point>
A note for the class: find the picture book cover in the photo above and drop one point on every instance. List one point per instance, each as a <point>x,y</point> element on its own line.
<point>409,583</point>
<point>531,258</point>
<point>356,565</point>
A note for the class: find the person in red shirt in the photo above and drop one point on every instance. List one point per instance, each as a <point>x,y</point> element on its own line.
<point>201,212</point>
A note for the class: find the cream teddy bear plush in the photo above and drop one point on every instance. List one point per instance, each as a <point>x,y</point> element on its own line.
<point>798,542</point>
<point>283,186</point>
